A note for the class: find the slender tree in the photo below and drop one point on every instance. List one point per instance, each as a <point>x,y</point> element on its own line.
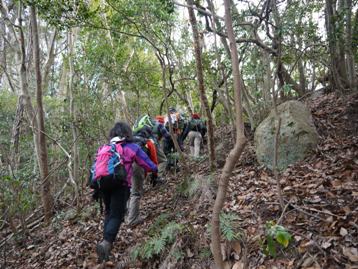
<point>201,86</point>
<point>47,199</point>
<point>235,153</point>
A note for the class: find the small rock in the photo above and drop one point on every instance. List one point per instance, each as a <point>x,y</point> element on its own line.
<point>343,232</point>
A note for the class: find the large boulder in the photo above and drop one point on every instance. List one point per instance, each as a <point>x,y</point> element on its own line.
<point>298,135</point>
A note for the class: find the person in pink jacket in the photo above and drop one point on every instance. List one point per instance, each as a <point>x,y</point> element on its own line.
<point>115,197</point>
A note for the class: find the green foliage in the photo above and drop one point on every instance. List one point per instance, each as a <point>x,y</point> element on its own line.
<point>63,13</point>
<point>162,233</point>
<point>229,227</point>
<point>205,253</point>
<point>18,197</point>
<point>276,235</point>
<point>193,187</point>
<point>7,115</point>
<point>188,187</point>
<point>287,88</point>
<point>159,224</point>
<point>178,254</point>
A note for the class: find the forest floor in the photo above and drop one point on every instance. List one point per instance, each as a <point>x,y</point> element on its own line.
<point>321,194</point>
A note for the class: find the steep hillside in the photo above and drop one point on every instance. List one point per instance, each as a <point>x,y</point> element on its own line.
<point>321,193</point>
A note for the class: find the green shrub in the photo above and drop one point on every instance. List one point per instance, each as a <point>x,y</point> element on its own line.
<point>276,236</point>
<point>163,233</point>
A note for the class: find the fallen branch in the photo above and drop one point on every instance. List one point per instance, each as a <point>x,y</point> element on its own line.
<point>306,213</point>
<point>283,212</point>
<point>322,212</point>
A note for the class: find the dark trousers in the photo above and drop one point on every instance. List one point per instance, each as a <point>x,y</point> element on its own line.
<point>115,202</point>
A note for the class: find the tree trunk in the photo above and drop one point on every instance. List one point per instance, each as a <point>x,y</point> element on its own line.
<point>2,50</point>
<point>300,65</point>
<point>165,91</point>
<point>340,16</point>
<point>15,136</point>
<point>125,110</point>
<point>74,168</point>
<point>47,199</point>
<point>355,37</point>
<point>190,101</point>
<point>336,79</point>
<point>248,108</point>
<point>49,61</point>
<point>214,19</point>
<point>199,70</point>
<point>348,46</point>
<point>235,153</point>
<point>267,79</point>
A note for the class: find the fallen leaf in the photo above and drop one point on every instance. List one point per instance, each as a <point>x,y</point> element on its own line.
<point>227,265</point>
<point>110,264</point>
<point>238,265</point>
<point>351,254</point>
<point>326,245</point>
<point>189,253</point>
<point>236,246</point>
<point>307,262</point>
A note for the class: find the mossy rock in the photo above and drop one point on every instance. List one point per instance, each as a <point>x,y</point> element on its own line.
<point>298,135</point>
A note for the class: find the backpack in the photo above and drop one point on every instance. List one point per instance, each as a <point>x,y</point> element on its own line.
<point>141,142</point>
<point>108,166</point>
<point>196,125</point>
<point>142,122</point>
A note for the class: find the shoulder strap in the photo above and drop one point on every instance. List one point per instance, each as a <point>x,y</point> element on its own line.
<point>117,148</point>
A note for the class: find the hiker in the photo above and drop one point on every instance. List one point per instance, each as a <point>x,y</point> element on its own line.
<point>116,193</point>
<point>158,133</point>
<point>178,125</point>
<point>196,130</point>
<point>143,139</point>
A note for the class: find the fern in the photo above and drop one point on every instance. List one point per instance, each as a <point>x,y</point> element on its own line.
<point>158,244</point>
<point>161,237</point>
<point>160,222</point>
<point>178,254</point>
<point>229,227</point>
<point>135,252</point>
<point>193,187</point>
<point>170,231</point>
<point>205,253</point>
<point>147,251</point>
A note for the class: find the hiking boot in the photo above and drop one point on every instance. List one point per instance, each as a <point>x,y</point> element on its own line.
<point>136,222</point>
<point>103,251</point>
<point>157,181</point>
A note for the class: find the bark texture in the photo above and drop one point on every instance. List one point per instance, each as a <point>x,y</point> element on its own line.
<point>46,196</point>
<point>235,153</point>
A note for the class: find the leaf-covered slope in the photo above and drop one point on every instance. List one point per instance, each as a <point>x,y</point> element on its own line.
<point>322,214</point>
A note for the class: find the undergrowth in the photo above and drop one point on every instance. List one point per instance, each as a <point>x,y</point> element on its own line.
<point>162,233</point>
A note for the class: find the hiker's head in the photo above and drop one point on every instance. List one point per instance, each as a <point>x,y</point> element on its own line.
<point>172,110</point>
<point>160,119</point>
<point>122,130</point>
<point>195,116</point>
